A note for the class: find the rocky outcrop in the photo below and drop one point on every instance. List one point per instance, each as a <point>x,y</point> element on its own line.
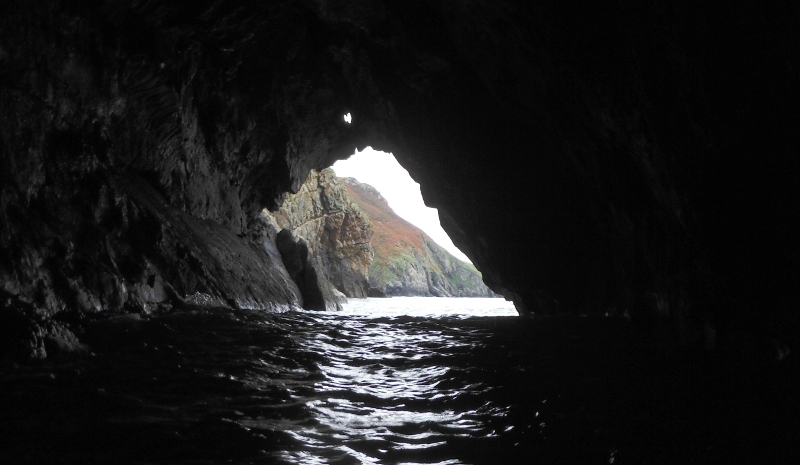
<point>335,230</point>
<point>330,219</point>
<point>407,262</point>
<point>317,292</point>
<point>138,254</point>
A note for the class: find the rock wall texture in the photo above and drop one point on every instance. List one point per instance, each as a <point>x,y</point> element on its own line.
<point>337,232</point>
<point>650,146</point>
<point>316,290</point>
<point>140,141</point>
<point>407,262</point>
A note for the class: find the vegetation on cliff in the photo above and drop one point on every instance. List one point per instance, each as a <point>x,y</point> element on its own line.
<point>336,231</point>
<point>407,261</point>
<point>358,243</point>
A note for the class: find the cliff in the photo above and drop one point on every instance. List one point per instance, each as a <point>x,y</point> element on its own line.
<point>337,233</point>
<point>407,261</point>
<point>345,224</point>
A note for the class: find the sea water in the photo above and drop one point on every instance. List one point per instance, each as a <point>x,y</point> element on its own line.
<point>385,381</point>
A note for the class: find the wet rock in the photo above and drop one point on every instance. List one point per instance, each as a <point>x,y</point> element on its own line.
<point>375,292</point>
<point>317,292</point>
<point>60,341</point>
<point>22,329</point>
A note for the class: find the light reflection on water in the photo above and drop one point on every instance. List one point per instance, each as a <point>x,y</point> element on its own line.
<point>386,381</point>
<point>428,307</point>
<point>385,366</point>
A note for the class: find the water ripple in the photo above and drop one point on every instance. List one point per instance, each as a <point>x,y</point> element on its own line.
<point>386,381</point>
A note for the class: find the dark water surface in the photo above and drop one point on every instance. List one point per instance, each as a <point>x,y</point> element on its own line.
<point>404,380</point>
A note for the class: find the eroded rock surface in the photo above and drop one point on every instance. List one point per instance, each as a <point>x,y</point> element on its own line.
<point>137,153</point>
<point>335,230</point>
<point>317,292</point>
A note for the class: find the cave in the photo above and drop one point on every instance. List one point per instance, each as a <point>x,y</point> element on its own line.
<point>628,160</point>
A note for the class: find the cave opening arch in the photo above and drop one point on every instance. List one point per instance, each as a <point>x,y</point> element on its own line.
<point>632,157</point>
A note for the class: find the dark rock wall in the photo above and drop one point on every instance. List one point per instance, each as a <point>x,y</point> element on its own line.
<point>317,291</point>
<point>140,141</point>
<point>649,146</point>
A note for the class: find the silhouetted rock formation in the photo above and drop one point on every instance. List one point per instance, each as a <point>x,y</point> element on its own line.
<point>374,292</point>
<point>336,231</point>
<point>304,270</point>
<point>408,262</point>
<point>650,148</point>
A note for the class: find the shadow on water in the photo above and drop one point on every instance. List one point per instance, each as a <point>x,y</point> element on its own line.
<point>221,386</point>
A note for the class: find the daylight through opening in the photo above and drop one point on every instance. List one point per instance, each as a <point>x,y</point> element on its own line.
<point>382,171</point>
<point>411,255</point>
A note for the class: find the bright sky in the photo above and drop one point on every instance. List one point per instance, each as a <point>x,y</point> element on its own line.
<point>381,171</point>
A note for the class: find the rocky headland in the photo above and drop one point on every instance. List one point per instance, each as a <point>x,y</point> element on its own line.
<point>407,261</point>
<point>336,231</point>
<point>363,248</point>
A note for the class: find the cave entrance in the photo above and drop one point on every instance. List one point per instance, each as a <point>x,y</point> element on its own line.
<point>412,255</point>
<point>382,171</point>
